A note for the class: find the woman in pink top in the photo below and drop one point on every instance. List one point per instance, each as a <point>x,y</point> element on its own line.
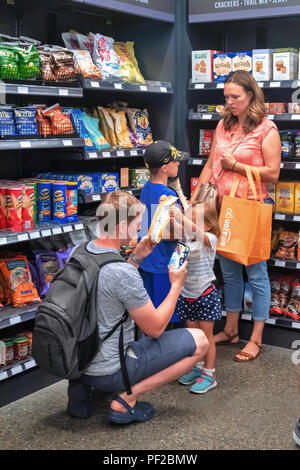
<point>245,136</point>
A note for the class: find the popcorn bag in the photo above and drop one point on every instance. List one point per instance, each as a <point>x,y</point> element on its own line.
<point>161,218</point>
<point>105,57</point>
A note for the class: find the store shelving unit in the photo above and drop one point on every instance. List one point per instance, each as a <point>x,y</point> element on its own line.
<point>243,32</point>
<point>152,27</point>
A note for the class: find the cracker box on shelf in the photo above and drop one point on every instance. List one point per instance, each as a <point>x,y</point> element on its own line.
<point>242,61</point>
<point>262,62</point>
<point>222,66</point>
<point>285,64</point>
<point>202,66</point>
<point>138,177</point>
<point>109,182</point>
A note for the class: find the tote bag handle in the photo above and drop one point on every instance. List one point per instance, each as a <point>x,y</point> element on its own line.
<point>250,182</point>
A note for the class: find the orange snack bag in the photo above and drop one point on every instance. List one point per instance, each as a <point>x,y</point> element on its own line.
<point>17,282</point>
<point>60,122</point>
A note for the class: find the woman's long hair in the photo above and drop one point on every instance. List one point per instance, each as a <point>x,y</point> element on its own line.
<point>256,108</point>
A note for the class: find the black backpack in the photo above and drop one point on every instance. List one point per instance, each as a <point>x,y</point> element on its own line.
<point>65,336</point>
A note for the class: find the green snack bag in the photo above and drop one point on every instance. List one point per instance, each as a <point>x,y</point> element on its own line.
<point>8,63</point>
<point>29,62</point>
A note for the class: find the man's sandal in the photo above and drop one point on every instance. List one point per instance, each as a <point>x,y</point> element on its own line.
<point>229,338</point>
<point>248,356</point>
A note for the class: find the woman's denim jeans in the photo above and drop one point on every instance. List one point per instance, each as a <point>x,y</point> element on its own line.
<point>234,287</point>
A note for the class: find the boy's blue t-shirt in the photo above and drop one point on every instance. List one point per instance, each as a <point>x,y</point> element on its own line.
<point>158,260</point>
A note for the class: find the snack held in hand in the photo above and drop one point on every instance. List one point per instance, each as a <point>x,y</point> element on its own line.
<point>161,218</point>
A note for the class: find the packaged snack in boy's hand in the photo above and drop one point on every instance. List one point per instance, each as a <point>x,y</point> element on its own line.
<point>105,57</point>
<point>17,281</point>
<point>60,122</point>
<point>161,218</point>
<point>86,65</point>
<point>47,266</point>
<point>7,123</point>
<point>92,126</point>
<point>140,126</point>
<point>25,119</point>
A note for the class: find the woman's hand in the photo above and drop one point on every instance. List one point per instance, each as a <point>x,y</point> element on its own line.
<point>144,247</point>
<point>227,160</point>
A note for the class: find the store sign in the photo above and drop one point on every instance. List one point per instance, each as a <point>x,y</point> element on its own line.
<point>159,9</point>
<point>218,10</point>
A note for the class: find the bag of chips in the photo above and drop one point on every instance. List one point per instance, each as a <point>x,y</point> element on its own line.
<point>293,306</point>
<point>25,119</point>
<point>86,66</point>
<point>8,63</point>
<point>92,126</point>
<point>140,126</point>
<point>45,65</point>
<point>286,245</point>
<point>70,40</point>
<point>43,122</point>
<point>138,77</point>
<point>107,125</point>
<point>121,131</point>
<point>47,266</point>
<point>60,122</point>
<point>105,57</point>
<point>17,281</point>
<point>7,123</point>
<point>78,124</point>
<point>128,63</point>
<point>85,43</point>
<point>28,63</point>
<point>63,64</point>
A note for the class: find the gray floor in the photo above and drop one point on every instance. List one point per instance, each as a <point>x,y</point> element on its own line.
<point>255,406</point>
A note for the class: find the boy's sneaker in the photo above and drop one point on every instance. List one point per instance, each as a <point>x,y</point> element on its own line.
<point>190,377</point>
<point>204,384</point>
<point>297,433</point>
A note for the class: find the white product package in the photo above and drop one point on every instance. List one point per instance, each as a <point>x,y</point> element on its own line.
<point>161,218</point>
<point>105,57</point>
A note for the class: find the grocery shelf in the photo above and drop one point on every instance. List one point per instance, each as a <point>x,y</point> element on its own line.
<point>279,322</point>
<point>290,165</point>
<point>288,84</point>
<point>286,217</point>
<point>17,368</point>
<point>282,263</point>
<point>284,117</point>
<point>22,144</point>
<point>148,87</point>
<point>84,198</point>
<point>42,90</point>
<point>197,161</point>
<point>10,316</point>
<point>116,153</point>
<point>204,116</point>
<point>40,231</point>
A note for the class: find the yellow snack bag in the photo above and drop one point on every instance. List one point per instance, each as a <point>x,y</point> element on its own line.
<point>285,197</point>
<point>137,73</point>
<point>107,123</point>
<point>297,198</point>
<point>125,62</point>
<point>161,218</point>
<point>121,130</point>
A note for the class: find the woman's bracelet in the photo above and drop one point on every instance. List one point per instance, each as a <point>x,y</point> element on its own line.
<point>232,169</point>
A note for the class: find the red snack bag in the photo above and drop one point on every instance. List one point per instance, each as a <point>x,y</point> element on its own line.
<point>17,281</point>
<point>27,208</point>
<point>13,204</point>
<point>3,222</point>
<point>60,122</point>
<point>43,123</point>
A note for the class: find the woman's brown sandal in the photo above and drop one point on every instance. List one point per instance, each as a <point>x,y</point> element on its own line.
<point>248,356</point>
<point>229,339</point>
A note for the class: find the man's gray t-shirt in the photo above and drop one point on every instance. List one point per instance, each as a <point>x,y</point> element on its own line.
<point>120,288</point>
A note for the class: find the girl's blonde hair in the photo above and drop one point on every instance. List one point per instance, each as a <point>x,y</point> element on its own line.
<point>210,217</point>
<point>256,108</point>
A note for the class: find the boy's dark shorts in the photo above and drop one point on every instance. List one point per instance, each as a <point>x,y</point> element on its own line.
<point>152,356</point>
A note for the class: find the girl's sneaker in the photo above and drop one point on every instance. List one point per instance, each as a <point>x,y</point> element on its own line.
<point>204,384</point>
<point>190,377</point>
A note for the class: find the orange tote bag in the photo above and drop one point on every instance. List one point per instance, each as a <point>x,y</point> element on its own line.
<point>245,224</point>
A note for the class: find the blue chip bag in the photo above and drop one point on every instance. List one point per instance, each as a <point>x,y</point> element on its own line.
<point>25,121</point>
<point>109,182</point>
<point>7,123</point>
<point>92,127</point>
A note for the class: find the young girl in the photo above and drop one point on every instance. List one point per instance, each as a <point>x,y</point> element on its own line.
<point>199,303</point>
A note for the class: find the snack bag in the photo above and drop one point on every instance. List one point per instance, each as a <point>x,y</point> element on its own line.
<point>85,43</point>
<point>60,122</point>
<point>121,131</point>
<point>137,73</point>
<point>275,296</point>
<point>92,126</point>
<point>285,197</point>
<point>297,198</point>
<point>63,64</point>
<point>8,63</point>
<point>25,119</point>
<point>107,125</point>
<point>76,119</point>
<point>17,281</point>
<point>47,266</point>
<point>86,65</point>
<point>125,62</point>
<point>45,64</point>
<point>7,123</point>
<point>70,40</point>
<point>140,126</point>
<point>293,306</point>
<point>43,122</point>
<point>286,246</point>
<point>29,63</point>
<point>161,218</point>
<point>105,57</point>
